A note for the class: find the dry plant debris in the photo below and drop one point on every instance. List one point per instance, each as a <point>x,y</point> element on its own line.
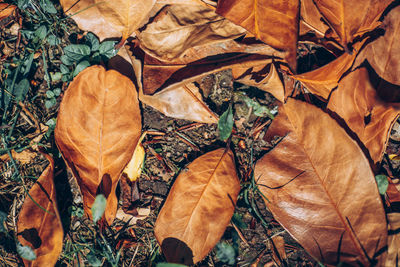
<point>317,164</point>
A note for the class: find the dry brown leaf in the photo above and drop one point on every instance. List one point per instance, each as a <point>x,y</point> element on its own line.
<point>199,60</point>
<point>357,103</point>
<point>42,230</point>
<point>98,127</point>
<point>198,208</point>
<point>383,53</point>
<point>181,102</point>
<point>178,28</point>
<point>323,80</point>
<point>319,185</point>
<point>178,83</point>
<point>311,19</point>
<point>258,76</point>
<point>109,19</point>
<point>351,18</point>
<point>273,22</point>
<point>6,10</point>
<point>393,257</point>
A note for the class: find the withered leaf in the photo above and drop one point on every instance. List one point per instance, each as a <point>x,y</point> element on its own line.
<point>198,208</point>
<point>181,102</point>
<point>310,180</point>
<point>42,229</point>
<point>178,28</point>
<point>351,18</point>
<point>383,53</point>
<point>273,22</point>
<point>323,80</point>
<point>98,127</point>
<point>357,103</point>
<point>109,19</point>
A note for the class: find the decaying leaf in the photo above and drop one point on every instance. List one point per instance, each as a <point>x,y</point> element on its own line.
<point>181,102</point>
<point>6,10</point>
<point>41,229</point>
<point>383,53</point>
<point>273,22</point>
<point>178,84</point>
<point>351,18</point>
<point>258,76</point>
<point>393,257</point>
<point>178,28</point>
<point>109,19</point>
<point>142,214</point>
<point>278,249</point>
<point>98,127</point>
<point>357,103</point>
<point>310,180</point>
<point>323,80</point>
<point>198,208</point>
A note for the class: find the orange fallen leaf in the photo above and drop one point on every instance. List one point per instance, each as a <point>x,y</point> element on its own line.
<point>6,10</point>
<point>351,18</point>
<point>357,103</point>
<point>109,19</point>
<point>310,180</point>
<point>177,96</point>
<point>273,22</point>
<point>41,229</point>
<point>323,80</point>
<point>190,104</point>
<point>198,208</point>
<point>98,127</point>
<point>383,53</point>
<point>178,28</point>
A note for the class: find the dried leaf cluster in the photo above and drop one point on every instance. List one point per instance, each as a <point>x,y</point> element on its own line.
<point>318,181</point>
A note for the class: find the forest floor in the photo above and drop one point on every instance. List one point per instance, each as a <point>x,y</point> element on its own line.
<point>170,145</point>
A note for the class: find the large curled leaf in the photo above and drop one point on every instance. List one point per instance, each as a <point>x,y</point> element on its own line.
<point>357,103</point>
<point>273,22</point>
<point>351,18</point>
<point>109,19</point>
<point>319,185</point>
<point>98,126</point>
<point>39,224</point>
<point>198,208</point>
<point>178,28</point>
<point>383,53</point>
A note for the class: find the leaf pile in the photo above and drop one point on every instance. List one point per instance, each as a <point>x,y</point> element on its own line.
<point>331,130</point>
